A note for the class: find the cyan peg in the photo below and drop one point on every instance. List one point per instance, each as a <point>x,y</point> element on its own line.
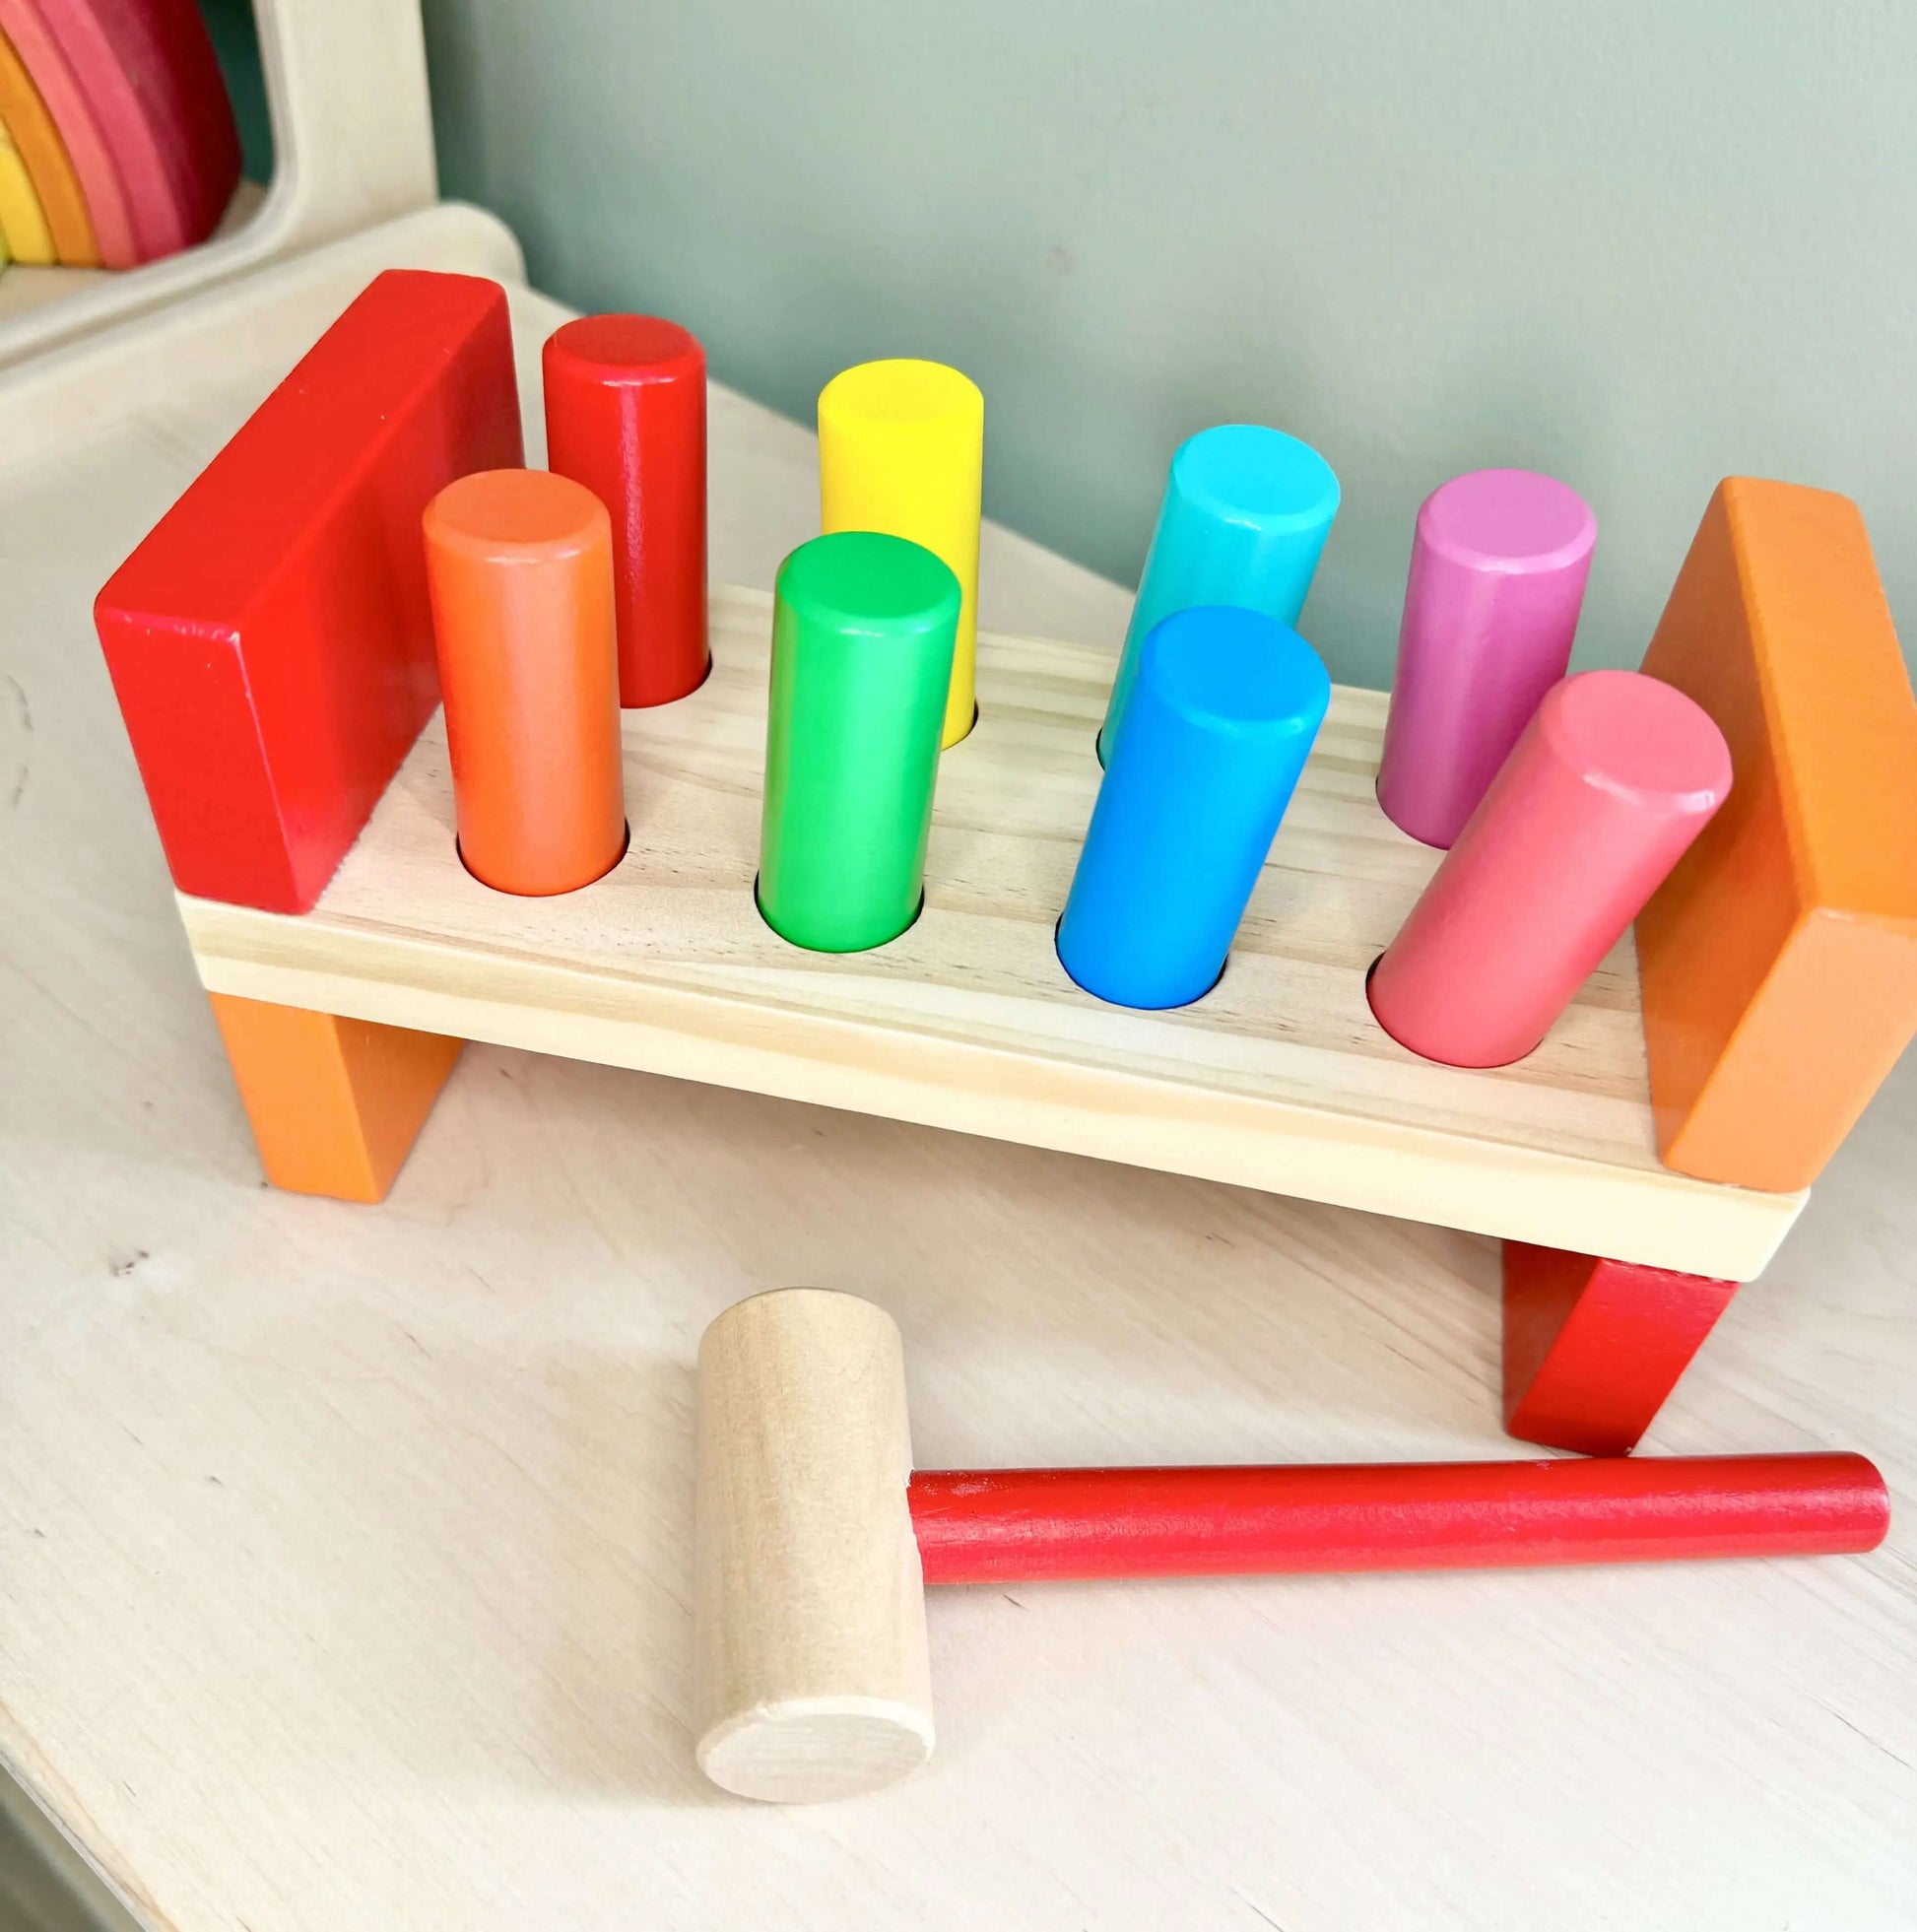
<point>1244,519</point>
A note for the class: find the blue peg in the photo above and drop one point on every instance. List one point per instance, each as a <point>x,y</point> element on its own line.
<point>1223,715</point>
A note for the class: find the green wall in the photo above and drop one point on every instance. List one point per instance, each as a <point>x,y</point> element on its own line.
<point>1639,245</point>
<point>236,39</point>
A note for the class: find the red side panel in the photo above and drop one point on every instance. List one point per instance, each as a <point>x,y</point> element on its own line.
<point>271,642</point>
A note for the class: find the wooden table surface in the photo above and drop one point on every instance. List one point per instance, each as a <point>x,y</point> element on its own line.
<point>345,1553</point>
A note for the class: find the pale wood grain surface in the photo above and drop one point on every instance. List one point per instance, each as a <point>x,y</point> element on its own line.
<point>1278,1078</point>
<point>345,1558</point>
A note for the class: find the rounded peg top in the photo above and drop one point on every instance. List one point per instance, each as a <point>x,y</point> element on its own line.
<point>626,349</point>
<point>1244,473</point>
<point>1517,522</point>
<point>901,393</point>
<point>1639,738</point>
<point>514,516</point>
<point>1237,672</point>
<point>865,582</point>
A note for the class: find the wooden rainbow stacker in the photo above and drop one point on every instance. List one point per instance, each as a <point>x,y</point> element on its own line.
<point>279,702</point>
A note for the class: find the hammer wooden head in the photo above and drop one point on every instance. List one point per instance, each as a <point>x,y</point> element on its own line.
<point>812,1675</point>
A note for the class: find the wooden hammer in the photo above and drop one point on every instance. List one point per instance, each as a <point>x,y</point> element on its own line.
<point>815,1539</point>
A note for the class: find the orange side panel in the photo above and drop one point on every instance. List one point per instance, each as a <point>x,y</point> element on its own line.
<point>25,117</point>
<point>1779,960</point>
<point>335,1105</point>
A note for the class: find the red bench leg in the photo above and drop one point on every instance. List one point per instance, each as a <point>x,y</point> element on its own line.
<point>1593,1347</point>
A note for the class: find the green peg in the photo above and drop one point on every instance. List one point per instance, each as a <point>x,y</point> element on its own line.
<point>863,630</point>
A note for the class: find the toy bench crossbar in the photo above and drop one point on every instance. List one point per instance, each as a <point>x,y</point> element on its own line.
<point>1278,1079</point>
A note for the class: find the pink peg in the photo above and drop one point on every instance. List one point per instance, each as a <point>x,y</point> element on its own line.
<point>1612,778</point>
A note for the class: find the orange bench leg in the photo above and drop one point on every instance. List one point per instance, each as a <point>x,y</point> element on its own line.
<point>335,1105</point>
<point>1593,1347</point>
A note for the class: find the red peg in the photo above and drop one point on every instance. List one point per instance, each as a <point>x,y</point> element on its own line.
<point>625,416</point>
<point>1611,782</point>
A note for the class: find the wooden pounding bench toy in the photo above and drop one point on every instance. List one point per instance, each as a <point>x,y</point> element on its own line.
<point>799,874</point>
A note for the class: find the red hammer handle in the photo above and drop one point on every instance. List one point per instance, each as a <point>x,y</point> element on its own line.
<point>1025,1525</point>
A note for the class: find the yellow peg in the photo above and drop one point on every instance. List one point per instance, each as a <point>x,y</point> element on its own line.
<point>901,445</point>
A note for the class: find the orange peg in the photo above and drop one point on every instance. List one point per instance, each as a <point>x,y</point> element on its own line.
<point>520,566</point>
